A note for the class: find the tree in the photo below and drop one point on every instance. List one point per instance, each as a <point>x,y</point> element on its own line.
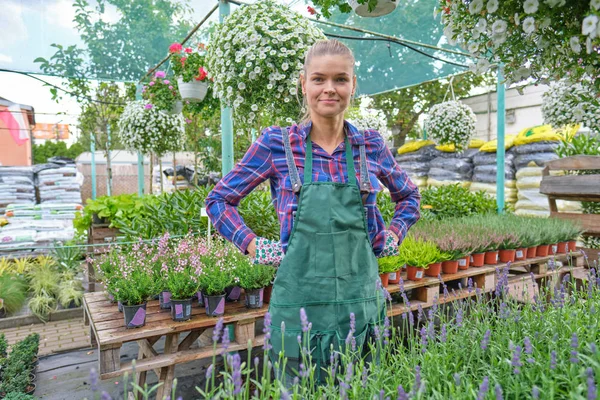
<point>42,152</point>
<point>403,107</point>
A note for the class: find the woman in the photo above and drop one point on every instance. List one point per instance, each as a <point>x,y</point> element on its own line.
<point>331,229</point>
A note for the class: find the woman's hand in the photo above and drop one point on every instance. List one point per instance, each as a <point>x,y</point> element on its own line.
<point>394,236</point>
<point>251,249</point>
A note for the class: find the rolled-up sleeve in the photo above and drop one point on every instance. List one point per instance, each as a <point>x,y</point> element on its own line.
<point>221,203</point>
<point>402,191</point>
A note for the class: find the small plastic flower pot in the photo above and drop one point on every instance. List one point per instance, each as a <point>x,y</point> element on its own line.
<point>233,293</point>
<point>267,294</point>
<point>450,267</point>
<point>385,279</point>
<point>254,298</point>
<point>181,310</point>
<point>572,245</point>
<point>414,273</point>
<point>520,254</point>
<point>531,252</point>
<point>394,277</point>
<point>542,250</point>
<point>507,255</point>
<point>434,269</point>
<point>135,316</point>
<point>562,247</point>
<point>215,305</point>
<point>491,258</point>
<point>464,262</point>
<point>194,91</point>
<point>477,260</point>
<point>164,299</point>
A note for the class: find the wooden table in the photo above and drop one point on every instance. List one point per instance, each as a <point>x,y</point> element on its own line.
<point>108,332</point>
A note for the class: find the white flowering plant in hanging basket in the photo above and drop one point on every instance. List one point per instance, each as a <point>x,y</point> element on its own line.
<point>255,57</point>
<point>150,130</point>
<point>451,122</point>
<point>540,39</point>
<point>567,103</point>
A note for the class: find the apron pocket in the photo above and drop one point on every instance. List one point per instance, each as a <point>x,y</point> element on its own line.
<point>333,254</point>
<point>290,346</point>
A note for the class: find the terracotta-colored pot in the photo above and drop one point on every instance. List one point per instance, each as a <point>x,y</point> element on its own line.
<point>521,254</point>
<point>384,279</point>
<point>414,273</point>
<point>572,245</point>
<point>553,249</point>
<point>450,267</point>
<point>434,269</point>
<point>531,252</point>
<point>464,262</point>
<point>267,294</point>
<point>477,260</point>
<point>542,250</point>
<point>394,277</point>
<point>491,258</point>
<point>507,255</point>
<point>562,247</point>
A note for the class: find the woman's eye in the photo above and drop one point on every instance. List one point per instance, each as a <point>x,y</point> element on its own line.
<point>342,80</point>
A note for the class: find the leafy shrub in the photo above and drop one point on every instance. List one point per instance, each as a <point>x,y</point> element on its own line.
<point>13,291</point>
<point>455,201</point>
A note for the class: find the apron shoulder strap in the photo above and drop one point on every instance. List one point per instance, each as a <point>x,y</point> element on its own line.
<point>365,183</point>
<point>291,163</point>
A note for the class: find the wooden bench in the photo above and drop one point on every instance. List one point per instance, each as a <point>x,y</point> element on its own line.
<point>574,188</point>
<point>108,333</point>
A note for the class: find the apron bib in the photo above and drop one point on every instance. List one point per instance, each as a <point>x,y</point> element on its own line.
<point>329,268</point>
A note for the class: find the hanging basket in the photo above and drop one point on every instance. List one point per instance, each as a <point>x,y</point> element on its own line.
<point>383,7</point>
<point>192,91</point>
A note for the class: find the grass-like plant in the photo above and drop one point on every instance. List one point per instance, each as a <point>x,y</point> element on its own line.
<point>13,292</point>
<point>42,304</point>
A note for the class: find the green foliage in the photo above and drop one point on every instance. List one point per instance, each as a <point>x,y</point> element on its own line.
<point>161,92</point>
<point>70,292</point>
<point>188,63</point>
<point>3,346</point>
<point>258,212</point>
<point>419,253</point>
<point>68,257</point>
<point>15,375</point>
<point>455,201</point>
<point>42,304</point>
<point>389,264</point>
<point>42,152</point>
<point>18,396</point>
<point>13,292</point>
<point>254,276</point>
<point>219,268</point>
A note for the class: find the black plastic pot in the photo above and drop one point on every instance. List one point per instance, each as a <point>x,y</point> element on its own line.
<point>2,312</point>
<point>254,298</point>
<point>215,305</point>
<point>31,390</point>
<point>233,293</point>
<point>181,310</point>
<point>135,316</point>
<point>164,299</point>
<point>200,299</point>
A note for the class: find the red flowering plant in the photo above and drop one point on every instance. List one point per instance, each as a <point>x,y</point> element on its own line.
<point>188,63</point>
<point>161,92</point>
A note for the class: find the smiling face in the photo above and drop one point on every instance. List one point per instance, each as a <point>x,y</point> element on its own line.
<point>328,84</point>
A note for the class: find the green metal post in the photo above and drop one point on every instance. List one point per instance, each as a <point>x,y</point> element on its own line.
<point>93,151</point>
<point>424,133</point>
<point>140,156</point>
<point>253,133</point>
<point>226,114</point>
<point>501,107</point>
<point>108,162</point>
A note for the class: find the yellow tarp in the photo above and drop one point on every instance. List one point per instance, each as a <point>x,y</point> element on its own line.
<point>446,148</point>
<point>492,145</point>
<point>545,133</point>
<point>411,147</point>
<point>476,143</point>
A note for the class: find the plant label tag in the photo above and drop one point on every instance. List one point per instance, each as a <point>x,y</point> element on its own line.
<point>178,310</point>
<point>554,248</point>
<point>497,257</point>
<point>166,297</point>
<point>220,309</point>
<point>188,309</point>
<point>419,274</point>
<point>252,300</point>
<point>393,276</point>
<point>471,259</point>
<point>519,253</point>
<point>138,318</point>
<point>462,262</point>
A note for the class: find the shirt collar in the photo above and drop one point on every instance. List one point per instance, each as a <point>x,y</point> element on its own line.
<point>354,136</point>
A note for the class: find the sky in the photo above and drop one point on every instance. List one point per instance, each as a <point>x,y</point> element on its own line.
<point>29,27</point>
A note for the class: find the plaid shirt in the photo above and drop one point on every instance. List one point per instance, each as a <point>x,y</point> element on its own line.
<point>266,160</point>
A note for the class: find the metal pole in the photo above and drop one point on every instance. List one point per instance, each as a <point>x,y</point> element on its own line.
<point>93,151</point>
<point>226,115</point>
<point>108,163</point>
<point>140,156</point>
<point>501,107</point>
<point>253,133</point>
<point>424,133</point>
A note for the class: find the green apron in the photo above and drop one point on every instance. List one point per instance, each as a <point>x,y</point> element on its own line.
<point>329,268</point>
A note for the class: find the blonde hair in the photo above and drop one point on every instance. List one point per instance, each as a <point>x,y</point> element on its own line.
<point>330,47</point>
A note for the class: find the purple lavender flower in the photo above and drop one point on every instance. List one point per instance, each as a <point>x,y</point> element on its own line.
<point>470,285</point>
<point>401,283</point>
<point>456,379</point>
<point>303,371</point>
<point>267,331</point>
<point>94,380</point>
<point>418,382</point>
<point>365,376</point>
<point>386,330</point>
<point>574,347</point>
<point>304,320</point>
<point>381,394</point>
<point>217,330</point>
<point>516,359</point>
<point>486,340</point>
<point>377,333</point>
<point>498,392</point>
<point>105,396</point>
<point>592,393</point>
<point>236,375</point>
<point>209,371</point>
<point>256,362</point>
<point>225,340</point>
<point>528,346</point>
<point>535,393</point>
<point>483,388</point>
<point>419,313</point>
<point>423,333</point>
<point>443,334</point>
<point>285,395</point>
<point>459,317</point>
<point>553,359</point>
<point>401,393</point>
<point>593,348</point>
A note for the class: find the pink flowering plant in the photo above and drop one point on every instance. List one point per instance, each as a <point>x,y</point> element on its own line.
<point>189,63</point>
<point>218,267</point>
<point>181,269</point>
<point>253,276</point>
<point>161,92</point>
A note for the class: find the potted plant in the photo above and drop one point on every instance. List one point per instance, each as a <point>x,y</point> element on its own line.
<point>419,255</point>
<point>453,248</point>
<point>218,266</point>
<point>189,67</point>
<point>387,265</point>
<point>451,122</point>
<point>479,241</point>
<point>366,9</point>
<point>70,293</point>
<point>507,248</point>
<point>253,279</point>
<point>162,93</point>
<point>13,292</point>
